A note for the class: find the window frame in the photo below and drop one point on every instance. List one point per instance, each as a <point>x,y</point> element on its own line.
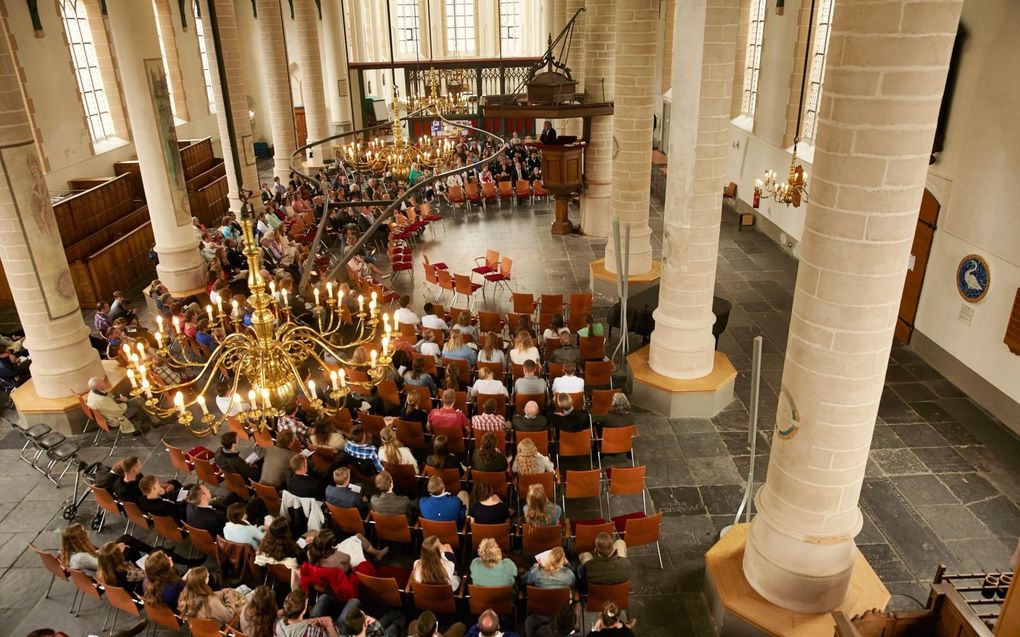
<point>408,47</point>
<point>466,22</point>
<point>85,63</point>
<point>752,57</point>
<point>511,42</point>
<point>821,30</point>
<point>203,56</point>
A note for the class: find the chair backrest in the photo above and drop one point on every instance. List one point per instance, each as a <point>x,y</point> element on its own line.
<point>642,529</point>
<point>50,562</point>
<point>618,439</point>
<point>491,258</point>
<point>238,428</point>
<point>583,484</point>
<point>206,472</point>
<point>552,304</point>
<point>523,303</point>
<point>520,400</point>
<point>490,322</point>
<point>166,527</point>
<point>540,190</point>
<point>405,481</point>
<point>547,601</point>
<point>506,189</point>
<point>407,329</point>
<point>546,479</point>
<point>593,348</point>
<point>601,401</point>
<point>499,398</point>
<point>456,193</point>
<point>554,370</point>
<point>121,599</point>
<point>270,496</point>
<point>85,583</point>
<point>437,598</point>
<point>599,594</point>
<point>262,437</point>
<point>177,459</point>
<point>626,480</point>
<point>506,264</point>
<point>545,321</point>
<point>580,302</point>
<point>471,188</point>
<point>541,538</point>
<point>498,598</point>
<point>204,627</point>
<point>162,615</point>
<point>411,434</point>
<point>523,188</point>
<point>585,534</point>
<point>451,477</point>
<point>135,515</point>
<point>462,284</point>
<point>388,391</point>
<point>577,398</point>
<point>105,500</point>
<point>372,423</point>
<point>497,372</point>
<point>85,409</point>
<point>575,443</point>
<point>322,459</point>
<point>498,532</point>
<point>445,530</point>
<point>101,421</point>
<point>445,280</point>
<point>391,528</point>
<point>346,519</point>
<point>489,190</point>
<point>455,438</point>
<point>379,591</point>
<point>201,540</point>
<point>430,274</point>
<point>495,479</point>
<point>424,394</point>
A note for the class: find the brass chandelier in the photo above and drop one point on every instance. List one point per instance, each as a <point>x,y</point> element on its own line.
<point>268,355</point>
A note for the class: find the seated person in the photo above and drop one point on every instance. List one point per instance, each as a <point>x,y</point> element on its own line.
<point>607,564</point>
<point>360,453</point>
<point>155,501</point>
<point>199,601</point>
<point>457,349</point>
<point>276,461</point>
<point>490,568</point>
<point>428,626</point>
<point>488,626</point>
<point>115,570</point>
<point>436,564</point>
<point>405,315</point>
<point>530,384</point>
<point>524,349</point>
<point>304,482</point>
<point>531,419</point>
<point>465,327</point>
<point>163,585</point>
<point>278,544</point>
<point>487,456</point>
<point>326,434</point>
<point>201,514</point>
<point>539,511</point>
<point>430,321</point>
<point>591,328</point>
<point>566,418</point>
<point>292,622</point>
<point>228,459</point>
<point>427,346</point>
<point>441,506</point>
<point>118,413</point>
<point>556,329</point>
<point>447,416</point>
<point>418,377</point>
<point>486,506</point>
<point>342,494</point>
<point>392,450</point>
<point>569,382</point>
<point>551,570</point>
<point>489,420</point>
<point>386,501</point>
<point>567,352</point>
<point>441,458</point>
<point>238,529</point>
<point>491,350</point>
<point>412,411</point>
<point>487,385</point>
<point>619,413</point>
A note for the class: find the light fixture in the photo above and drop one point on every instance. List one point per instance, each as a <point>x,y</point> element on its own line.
<point>794,189</point>
<point>268,354</point>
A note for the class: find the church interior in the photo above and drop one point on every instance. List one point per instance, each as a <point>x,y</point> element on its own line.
<point>534,318</point>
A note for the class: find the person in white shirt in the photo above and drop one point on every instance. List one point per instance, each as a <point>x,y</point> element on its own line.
<point>404,315</point>
<point>431,321</point>
<point>391,450</point>
<point>524,349</point>
<point>568,383</point>
<point>486,384</point>
<point>427,346</point>
<point>226,403</point>
<point>238,530</point>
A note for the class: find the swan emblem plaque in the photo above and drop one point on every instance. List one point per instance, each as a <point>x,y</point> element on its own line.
<point>973,278</point>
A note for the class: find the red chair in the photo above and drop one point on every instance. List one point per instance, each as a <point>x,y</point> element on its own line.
<point>498,532</point>
<point>462,285</point>
<point>391,528</point>
<point>575,444</point>
<point>523,190</point>
<point>455,196</point>
<point>472,193</point>
<point>599,594</point>
<point>489,193</point>
<point>586,532</point>
<point>523,303</point>
<point>547,601</point>
<point>438,598</point>
<point>502,278</point>
<point>346,519</point>
<point>487,264</point>
<point>379,591</point>
<point>506,191</point>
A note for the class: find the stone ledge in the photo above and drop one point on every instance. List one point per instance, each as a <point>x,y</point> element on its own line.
<point>676,398</point>
<point>603,281</point>
<point>739,610</point>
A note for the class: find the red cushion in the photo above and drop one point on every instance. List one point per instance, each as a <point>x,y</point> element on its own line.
<point>621,520</point>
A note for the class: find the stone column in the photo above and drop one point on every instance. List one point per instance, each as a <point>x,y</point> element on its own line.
<point>232,107</point>
<point>181,267</point>
<point>884,78</point>
<point>599,55</point>
<point>33,255</point>
<point>306,17</point>
<point>575,61</point>
<point>634,92</point>
<point>705,35</point>
<point>335,43</point>
<point>273,48</point>
<point>548,21</point>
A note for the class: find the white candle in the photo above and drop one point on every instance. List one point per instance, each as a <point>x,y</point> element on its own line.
<point>315,292</point>
<point>251,399</point>
<point>179,401</point>
<point>283,295</point>
<point>146,387</point>
<point>236,311</point>
<point>177,324</point>
<point>208,309</point>
<point>131,377</point>
<point>201,403</point>
<point>329,289</point>
<point>373,355</point>
<point>265,398</point>
<point>343,378</point>
<point>127,350</point>
<point>159,323</point>
<point>361,304</point>
<point>334,378</point>
<point>311,389</point>
<point>159,339</point>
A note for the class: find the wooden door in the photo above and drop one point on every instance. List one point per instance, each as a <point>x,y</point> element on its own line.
<point>926,224</point>
<point>300,126</point>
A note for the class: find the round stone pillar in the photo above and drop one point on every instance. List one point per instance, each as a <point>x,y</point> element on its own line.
<point>335,42</point>
<point>33,254</point>
<point>682,343</point>
<point>634,92</point>
<point>230,97</point>
<point>599,54</point>
<point>575,125</point>
<point>181,267</point>
<point>883,86</point>
<point>273,54</point>
<point>306,17</point>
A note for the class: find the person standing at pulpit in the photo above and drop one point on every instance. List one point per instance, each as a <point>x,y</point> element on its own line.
<point>548,135</point>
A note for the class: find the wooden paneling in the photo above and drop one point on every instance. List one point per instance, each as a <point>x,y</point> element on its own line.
<point>1012,339</point>
<point>121,264</point>
<point>300,126</point>
<point>91,211</point>
<point>927,222</point>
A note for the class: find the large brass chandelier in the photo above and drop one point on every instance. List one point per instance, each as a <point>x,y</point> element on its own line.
<point>266,359</point>
<point>449,103</point>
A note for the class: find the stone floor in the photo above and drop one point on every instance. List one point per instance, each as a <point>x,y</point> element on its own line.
<point>943,482</point>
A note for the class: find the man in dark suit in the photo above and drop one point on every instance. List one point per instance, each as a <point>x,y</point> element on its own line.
<point>341,493</point>
<point>155,502</point>
<point>301,482</point>
<point>228,459</point>
<point>566,418</point>
<point>548,135</point>
<point>201,514</point>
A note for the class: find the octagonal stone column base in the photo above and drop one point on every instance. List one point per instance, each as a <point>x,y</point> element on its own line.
<point>676,398</point>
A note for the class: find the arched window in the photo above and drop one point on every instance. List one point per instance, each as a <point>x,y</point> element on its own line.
<point>203,53</point>
<point>752,57</point>
<point>408,28</point>
<point>460,26</point>
<point>171,64</point>
<point>86,69</point>
<point>823,22</point>
<point>510,27</point>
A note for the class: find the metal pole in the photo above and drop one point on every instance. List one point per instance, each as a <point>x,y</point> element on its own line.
<point>752,437</point>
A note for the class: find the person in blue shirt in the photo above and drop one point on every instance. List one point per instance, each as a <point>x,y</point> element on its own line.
<point>342,495</point>
<point>441,506</point>
<point>456,348</point>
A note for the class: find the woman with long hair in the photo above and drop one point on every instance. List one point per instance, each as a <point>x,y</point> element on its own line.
<point>490,568</point>
<point>552,571</point>
<point>77,551</point>
<point>114,570</point>
<point>412,410</point>
<point>199,601</point>
<point>436,564</point>
<point>452,378</point>
<point>556,327</point>
<point>162,583</point>
<point>441,458</point>
<point>278,543</point>
<point>488,457</point>
<point>610,621</point>
<point>418,377</point>
<point>259,615</point>
<point>591,328</point>
<point>391,450</point>
<point>524,349</point>
<point>539,511</point>
<point>528,460</point>
<point>457,348</point>
<point>325,434</point>
<point>491,350</point>
<point>486,505</point>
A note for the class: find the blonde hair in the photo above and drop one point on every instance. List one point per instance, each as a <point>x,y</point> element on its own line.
<point>489,552</point>
<point>527,456</point>
<point>536,514</point>
<point>195,597</point>
<point>523,341</point>
<point>390,450</point>
<point>555,560</point>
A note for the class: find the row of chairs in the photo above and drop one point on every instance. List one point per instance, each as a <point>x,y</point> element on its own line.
<point>42,444</point>
<point>475,193</point>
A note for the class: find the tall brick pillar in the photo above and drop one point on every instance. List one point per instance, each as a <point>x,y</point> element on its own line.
<point>705,36</point>
<point>273,55</point>
<point>306,17</point>
<point>33,255</point>
<point>335,42</point>
<point>634,90</point>
<point>232,106</point>
<point>884,78</point>
<point>599,53</point>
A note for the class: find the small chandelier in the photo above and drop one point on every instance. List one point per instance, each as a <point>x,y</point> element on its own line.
<point>377,156</point>
<point>267,354</point>
<point>792,191</point>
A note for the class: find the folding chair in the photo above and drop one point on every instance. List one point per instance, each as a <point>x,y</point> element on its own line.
<point>575,444</point>
<point>586,532</point>
<point>445,530</point>
<point>523,303</point>
<point>178,460</point>
<point>346,519</point>
<point>502,277</point>
<point>379,591</point>
<point>206,472</point>
<point>641,530</point>
<point>547,601</point>
<point>598,374</point>
<point>391,528</point>
<point>626,481</point>
<point>201,540</point>
<point>536,539</point>
<point>269,495</point>
<point>495,479</point>
<point>599,594</point>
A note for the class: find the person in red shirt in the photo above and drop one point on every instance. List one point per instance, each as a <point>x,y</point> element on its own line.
<point>446,416</point>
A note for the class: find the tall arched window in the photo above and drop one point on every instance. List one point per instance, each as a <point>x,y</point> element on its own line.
<point>752,57</point>
<point>823,22</point>
<point>86,69</point>
<point>408,28</point>
<point>162,37</point>
<point>203,53</point>
<point>460,26</point>
<point>510,27</point>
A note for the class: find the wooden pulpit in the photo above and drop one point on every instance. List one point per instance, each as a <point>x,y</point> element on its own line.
<point>562,171</point>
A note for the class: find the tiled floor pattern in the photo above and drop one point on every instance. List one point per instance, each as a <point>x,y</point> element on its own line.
<point>942,485</point>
